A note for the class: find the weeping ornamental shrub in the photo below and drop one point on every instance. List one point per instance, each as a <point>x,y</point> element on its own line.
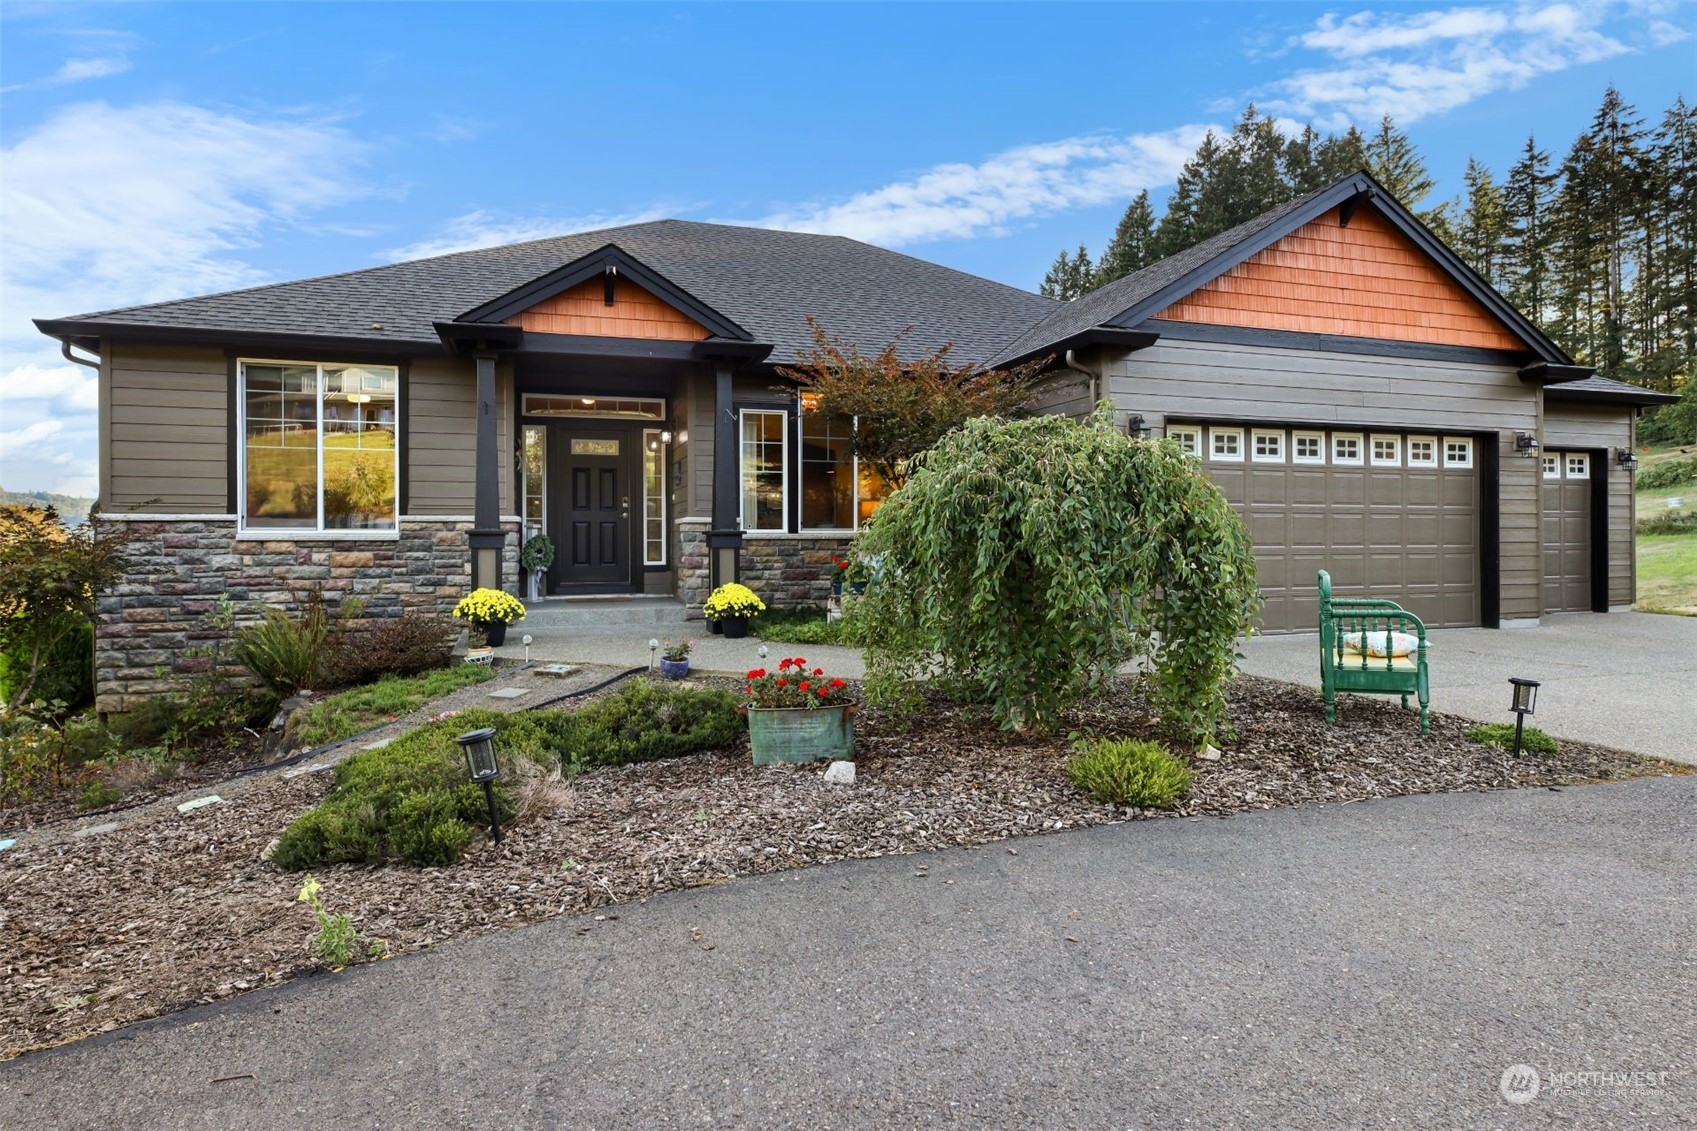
<point>1024,560</point>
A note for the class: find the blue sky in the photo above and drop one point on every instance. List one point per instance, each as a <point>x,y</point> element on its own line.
<point>156,150</point>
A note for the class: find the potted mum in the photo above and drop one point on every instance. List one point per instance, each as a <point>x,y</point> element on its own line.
<point>674,659</point>
<point>798,714</point>
<point>731,605</point>
<point>490,611</point>
<point>536,558</point>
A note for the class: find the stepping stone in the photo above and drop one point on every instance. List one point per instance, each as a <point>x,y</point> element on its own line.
<point>5,844</point>
<point>556,669</point>
<point>96,830</point>
<point>199,803</point>
<point>509,692</point>
<point>315,768</point>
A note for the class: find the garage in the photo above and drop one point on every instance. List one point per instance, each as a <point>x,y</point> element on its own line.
<point>1389,514</point>
<point>1566,523</point>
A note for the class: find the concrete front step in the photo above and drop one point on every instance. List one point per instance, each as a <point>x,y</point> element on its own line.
<point>591,613</point>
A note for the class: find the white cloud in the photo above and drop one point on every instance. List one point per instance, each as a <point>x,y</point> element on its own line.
<point>482,228</point>
<point>959,200</point>
<point>76,70</point>
<point>111,206</point>
<point>1414,64</point>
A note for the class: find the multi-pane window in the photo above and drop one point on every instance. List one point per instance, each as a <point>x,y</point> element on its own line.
<point>318,446</point>
<point>1227,444</point>
<point>1387,451</point>
<point>1346,447</point>
<point>765,468</point>
<point>1308,447</point>
<point>1188,438</point>
<point>653,498</point>
<point>1422,451</point>
<point>1458,452</point>
<point>1268,447</point>
<point>1552,467</point>
<point>1578,466</point>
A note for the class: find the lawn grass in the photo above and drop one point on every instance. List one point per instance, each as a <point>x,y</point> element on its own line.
<point>350,712</point>
<point>1667,563</point>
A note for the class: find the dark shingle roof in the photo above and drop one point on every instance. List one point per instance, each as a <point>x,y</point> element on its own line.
<point>767,281</point>
<point>1596,388</point>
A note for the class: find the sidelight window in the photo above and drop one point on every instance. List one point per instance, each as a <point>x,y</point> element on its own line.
<point>765,468</point>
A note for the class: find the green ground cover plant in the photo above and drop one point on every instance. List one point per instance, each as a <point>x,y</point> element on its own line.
<point>1126,771</point>
<point>806,626</point>
<point>351,712</point>
<point>1501,736</point>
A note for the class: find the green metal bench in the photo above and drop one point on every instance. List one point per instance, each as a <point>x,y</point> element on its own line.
<point>1349,626</point>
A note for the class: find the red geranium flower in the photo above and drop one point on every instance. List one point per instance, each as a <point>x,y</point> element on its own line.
<point>818,671</point>
<point>799,662</point>
<point>838,684</point>
<point>756,673</point>
<point>805,685</point>
<point>783,683</point>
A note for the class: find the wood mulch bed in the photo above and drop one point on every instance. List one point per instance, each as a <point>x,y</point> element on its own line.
<point>174,909</point>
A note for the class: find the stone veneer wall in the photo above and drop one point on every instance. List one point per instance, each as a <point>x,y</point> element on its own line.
<point>791,571</point>
<point>146,627</point>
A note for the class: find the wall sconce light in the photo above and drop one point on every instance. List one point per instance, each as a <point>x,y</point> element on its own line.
<point>1523,703</point>
<point>1627,459</point>
<point>666,436</point>
<point>1525,445</point>
<point>484,767</point>
<point>1137,428</point>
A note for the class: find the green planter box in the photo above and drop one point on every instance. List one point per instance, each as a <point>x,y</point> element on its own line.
<point>801,734</point>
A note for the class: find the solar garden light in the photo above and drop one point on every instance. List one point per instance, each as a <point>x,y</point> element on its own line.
<point>761,651</point>
<point>653,647</point>
<point>484,767</point>
<point>527,647</point>
<point>1523,704</point>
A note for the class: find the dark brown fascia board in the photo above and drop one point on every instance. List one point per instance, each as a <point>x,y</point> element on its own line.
<point>1332,343</point>
<point>587,267</point>
<point>1130,339</point>
<point>1362,188</point>
<point>89,334</point>
<point>1641,398</point>
<point>1544,373</point>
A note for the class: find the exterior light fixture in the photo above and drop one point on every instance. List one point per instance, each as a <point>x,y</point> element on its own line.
<point>761,651</point>
<point>1524,702</point>
<point>484,767</point>
<point>666,436</point>
<point>1525,445</point>
<point>1627,459</point>
<point>527,647</point>
<point>1137,428</point>
<point>653,647</point>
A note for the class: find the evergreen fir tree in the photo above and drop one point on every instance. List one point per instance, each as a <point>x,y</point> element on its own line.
<point>1396,164</point>
<point>1526,200</point>
<point>1481,229</point>
<point>1069,276</point>
<point>1132,247</point>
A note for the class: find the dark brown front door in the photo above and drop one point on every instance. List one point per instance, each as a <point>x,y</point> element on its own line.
<point>591,488</point>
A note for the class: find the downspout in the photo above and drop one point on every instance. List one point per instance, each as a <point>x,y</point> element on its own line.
<point>1071,362</point>
<point>65,349</point>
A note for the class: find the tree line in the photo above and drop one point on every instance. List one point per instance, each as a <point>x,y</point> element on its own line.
<point>1599,249</point>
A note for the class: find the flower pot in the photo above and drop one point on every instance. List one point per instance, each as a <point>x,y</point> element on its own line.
<point>735,627</point>
<point>714,626</point>
<point>856,587</point>
<point>674,669</point>
<point>801,734</point>
<point>494,633</point>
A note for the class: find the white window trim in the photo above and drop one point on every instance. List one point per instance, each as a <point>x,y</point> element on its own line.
<point>1296,457</point>
<point>1373,442</point>
<point>1582,459</point>
<point>1360,459</point>
<point>663,453</point>
<point>589,412</point>
<point>854,469</point>
<point>317,533</point>
<point>783,468</point>
<point>1467,441</point>
<point>1414,461</point>
<point>1552,465</point>
<point>1191,432</point>
<point>1214,455</point>
<point>1256,434</point>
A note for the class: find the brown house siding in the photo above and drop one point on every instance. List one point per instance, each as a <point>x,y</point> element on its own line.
<point>1603,429</point>
<point>634,314</point>
<point>166,443</point>
<point>1367,280</point>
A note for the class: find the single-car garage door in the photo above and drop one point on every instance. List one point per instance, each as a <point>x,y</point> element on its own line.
<point>1567,532</point>
<point>1389,514</point>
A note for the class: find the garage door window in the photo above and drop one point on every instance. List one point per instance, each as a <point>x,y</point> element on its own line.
<point>1578,466</point>
<point>1422,451</point>
<point>1387,451</point>
<point>1458,452</point>
<point>1187,438</point>
<point>1269,447</point>
<point>1346,448</point>
<point>1227,444</point>
<point>1552,467</point>
<point>1308,447</point>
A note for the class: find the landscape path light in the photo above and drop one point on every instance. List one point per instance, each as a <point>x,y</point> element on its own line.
<point>527,647</point>
<point>653,647</point>
<point>484,767</point>
<point>1524,702</point>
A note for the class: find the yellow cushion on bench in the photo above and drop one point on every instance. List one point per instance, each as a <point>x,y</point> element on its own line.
<point>1379,642</point>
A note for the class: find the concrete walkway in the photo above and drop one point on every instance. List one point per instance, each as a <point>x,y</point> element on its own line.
<point>1625,680</point>
<point>1370,965</point>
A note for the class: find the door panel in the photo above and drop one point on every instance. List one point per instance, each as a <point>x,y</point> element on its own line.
<point>1566,522</point>
<point>591,470</point>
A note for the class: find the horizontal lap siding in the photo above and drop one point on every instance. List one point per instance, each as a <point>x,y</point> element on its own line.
<point>1605,429</point>
<point>1210,381</point>
<point>166,431</point>
<point>441,437</point>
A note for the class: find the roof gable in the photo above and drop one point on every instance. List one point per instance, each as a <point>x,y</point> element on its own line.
<point>609,307</point>
<point>1356,275</point>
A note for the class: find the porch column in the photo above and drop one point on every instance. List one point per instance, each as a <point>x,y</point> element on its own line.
<point>486,536</point>
<point>724,540</point>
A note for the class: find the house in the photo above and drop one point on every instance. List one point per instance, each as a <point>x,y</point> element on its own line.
<point>1366,402</point>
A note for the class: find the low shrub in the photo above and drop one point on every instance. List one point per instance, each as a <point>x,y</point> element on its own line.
<point>66,674</point>
<point>98,794</point>
<point>643,721</point>
<point>796,626</point>
<point>1676,472</point>
<point>290,651</point>
<point>1666,521</point>
<point>202,708</point>
<point>1500,736</point>
<point>362,708</point>
<point>1124,771</point>
<point>403,645</point>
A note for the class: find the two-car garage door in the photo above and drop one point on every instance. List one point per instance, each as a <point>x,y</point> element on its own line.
<point>1388,514</point>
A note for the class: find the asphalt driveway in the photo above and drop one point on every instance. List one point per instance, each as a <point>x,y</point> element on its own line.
<point>1624,680</point>
<point>1369,965</point>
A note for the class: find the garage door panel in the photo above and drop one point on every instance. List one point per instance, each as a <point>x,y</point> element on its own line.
<point>1406,534</point>
<point>1565,529</point>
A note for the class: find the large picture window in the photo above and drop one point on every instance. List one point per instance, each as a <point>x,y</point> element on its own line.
<point>765,468</point>
<point>838,492</point>
<point>319,448</point>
